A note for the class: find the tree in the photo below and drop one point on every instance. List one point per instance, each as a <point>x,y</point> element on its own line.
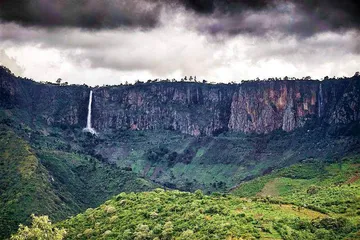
<point>142,232</point>
<point>168,231</point>
<point>357,74</point>
<point>58,81</point>
<point>41,228</point>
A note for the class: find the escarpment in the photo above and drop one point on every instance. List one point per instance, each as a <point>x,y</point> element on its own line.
<point>190,108</point>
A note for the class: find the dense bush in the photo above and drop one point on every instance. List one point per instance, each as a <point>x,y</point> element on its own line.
<point>41,228</point>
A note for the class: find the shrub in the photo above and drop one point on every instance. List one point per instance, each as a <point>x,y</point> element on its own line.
<point>41,228</point>
<point>168,231</point>
<point>199,193</point>
<point>110,209</point>
<point>88,231</point>
<point>142,232</point>
<point>312,190</point>
<point>187,235</point>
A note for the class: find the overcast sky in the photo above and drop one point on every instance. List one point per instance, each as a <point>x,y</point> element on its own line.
<point>113,41</point>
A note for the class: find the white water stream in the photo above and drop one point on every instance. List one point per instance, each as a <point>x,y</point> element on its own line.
<point>88,123</point>
<point>321,100</point>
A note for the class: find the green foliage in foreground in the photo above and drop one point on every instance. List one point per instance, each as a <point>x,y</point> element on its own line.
<point>41,228</point>
<point>181,215</point>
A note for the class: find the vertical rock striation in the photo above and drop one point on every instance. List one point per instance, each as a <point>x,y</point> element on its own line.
<point>190,108</point>
<point>262,107</point>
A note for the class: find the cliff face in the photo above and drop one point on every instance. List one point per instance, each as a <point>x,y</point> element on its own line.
<point>186,107</point>
<point>265,106</point>
<point>49,104</point>
<point>191,108</point>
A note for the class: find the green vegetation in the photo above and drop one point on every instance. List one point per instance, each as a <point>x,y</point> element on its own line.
<point>330,188</point>
<point>311,200</point>
<point>181,215</point>
<point>41,228</point>
<point>46,179</point>
<point>49,166</point>
<point>75,170</point>
<point>25,185</point>
<point>189,163</point>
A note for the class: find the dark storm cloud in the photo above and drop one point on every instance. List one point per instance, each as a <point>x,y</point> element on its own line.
<point>110,13</point>
<point>229,17</point>
<point>91,14</point>
<point>302,18</point>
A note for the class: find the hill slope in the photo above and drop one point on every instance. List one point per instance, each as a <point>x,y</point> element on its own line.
<point>53,182</point>
<point>331,188</point>
<point>313,201</point>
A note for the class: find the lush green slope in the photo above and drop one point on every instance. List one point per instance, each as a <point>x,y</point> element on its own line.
<point>182,215</point>
<point>312,200</point>
<point>315,201</point>
<point>331,188</point>
<point>46,180</point>
<point>25,185</point>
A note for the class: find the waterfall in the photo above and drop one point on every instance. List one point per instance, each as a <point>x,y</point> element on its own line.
<point>321,100</point>
<point>88,123</point>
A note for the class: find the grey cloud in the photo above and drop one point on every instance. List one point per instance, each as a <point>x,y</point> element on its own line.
<point>10,63</point>
<point>160,51</point>
<point>175,49</point>
<point>214,17</point>
<point>90,14</point>
<point>298,18</point>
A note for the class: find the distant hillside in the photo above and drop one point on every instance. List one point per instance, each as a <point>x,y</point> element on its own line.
<point>330,188</point>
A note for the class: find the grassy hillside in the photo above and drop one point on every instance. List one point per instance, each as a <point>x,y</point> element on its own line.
<point>311,200</point>
<point>25,185</point>
<point>330,188</point>
<point>183,215</point>
<point>45,180</point>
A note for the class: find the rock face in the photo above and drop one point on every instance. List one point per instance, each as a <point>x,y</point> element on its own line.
<point>190,108</point>
<point>262,107</point>
<point>265,106</point>
<point>50,104</point>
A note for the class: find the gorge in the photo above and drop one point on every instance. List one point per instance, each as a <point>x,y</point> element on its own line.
<point>177,135</point>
